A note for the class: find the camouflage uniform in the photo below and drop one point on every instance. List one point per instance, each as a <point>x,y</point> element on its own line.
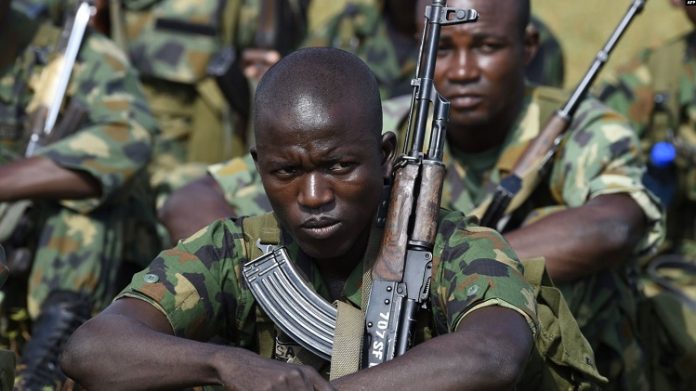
<point>199,287</point>
<point>361,29</point>
<point>599,156</point>
<point>113,145</point>
<point>657,92</point>
<point>79,244</point>
<point>171,43</point>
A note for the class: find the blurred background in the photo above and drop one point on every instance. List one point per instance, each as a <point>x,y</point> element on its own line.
<point>584,26</point>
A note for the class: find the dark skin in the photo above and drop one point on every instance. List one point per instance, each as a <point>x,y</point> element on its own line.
<point>330,190</point>
<point>181,220</point>
<point>480,69</point>
<point>40,178</point>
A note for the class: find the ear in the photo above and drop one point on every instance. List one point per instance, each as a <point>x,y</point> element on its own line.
<point>388,153</point>
<point>254,156</point>
<point>531,42</point>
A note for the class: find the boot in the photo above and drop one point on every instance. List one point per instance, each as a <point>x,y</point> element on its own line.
<point>61,314</point>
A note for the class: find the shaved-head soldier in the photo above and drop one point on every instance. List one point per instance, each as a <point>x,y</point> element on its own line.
<point>323,164</point>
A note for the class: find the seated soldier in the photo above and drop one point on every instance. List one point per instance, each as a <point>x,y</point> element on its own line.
<point>323,164</point>
<point>86,183</point>
<point>593,217</point>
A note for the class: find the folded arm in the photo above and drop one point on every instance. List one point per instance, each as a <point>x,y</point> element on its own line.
<point>488,351</point>
<point>577,242</point>
<point>40,178</point>
<point>131,346</point>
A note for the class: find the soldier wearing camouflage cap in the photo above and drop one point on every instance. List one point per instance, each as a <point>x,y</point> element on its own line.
<point>92,200</point>
<point>591,218</point>
<point>323,161</point>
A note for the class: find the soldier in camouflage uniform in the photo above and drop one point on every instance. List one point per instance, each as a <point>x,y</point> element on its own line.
<point>93,209</point>
<point>187,55</point>
<point>595,183</point>
<point>313,169</point>
<point>657,92</point>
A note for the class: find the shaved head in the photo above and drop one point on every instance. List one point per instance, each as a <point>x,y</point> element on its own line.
<point>310,85</point>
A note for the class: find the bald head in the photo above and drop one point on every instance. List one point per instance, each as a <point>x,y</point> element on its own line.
<point>310,86</point>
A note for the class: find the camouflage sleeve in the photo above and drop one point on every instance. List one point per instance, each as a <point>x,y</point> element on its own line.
<point>601,155</point>
<point>476,267</point>
<point>242,185</point>
<point>629,91</point>
<point>115,140</point>
<point>196,284</point>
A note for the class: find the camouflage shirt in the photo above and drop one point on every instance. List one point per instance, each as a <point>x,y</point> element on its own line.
<point>199,287</point>
<point>82,242</point>
<point>362,30</point>
<point>656,91</point>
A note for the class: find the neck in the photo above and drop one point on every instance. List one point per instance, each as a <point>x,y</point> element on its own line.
<point>485,136</point>
<point>339,268</point>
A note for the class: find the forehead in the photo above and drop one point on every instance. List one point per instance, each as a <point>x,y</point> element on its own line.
<point>309,120</point>
<point>500,17</point>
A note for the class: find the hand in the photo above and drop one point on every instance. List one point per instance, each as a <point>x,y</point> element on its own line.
<point>255,62</point>
<point>249,371</point>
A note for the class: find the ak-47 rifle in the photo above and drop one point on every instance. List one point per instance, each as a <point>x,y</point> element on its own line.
<point>515,188</point>
<point>401,271</point>
<point>44,109</point>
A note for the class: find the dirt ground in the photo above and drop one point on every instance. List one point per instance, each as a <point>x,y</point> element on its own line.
<point>583,27</point>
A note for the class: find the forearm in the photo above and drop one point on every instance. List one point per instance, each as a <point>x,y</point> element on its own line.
<point>135,357</point>
<point>577,242</point>
<point>40,178</point>
<point>488,351</point>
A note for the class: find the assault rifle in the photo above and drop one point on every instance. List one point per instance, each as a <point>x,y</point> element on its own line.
<point>44,109</point>
<point>401,271</point>
<point>515,188</point>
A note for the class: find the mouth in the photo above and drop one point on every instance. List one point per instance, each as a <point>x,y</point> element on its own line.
<point>465,101</point>
<point>320,228</point>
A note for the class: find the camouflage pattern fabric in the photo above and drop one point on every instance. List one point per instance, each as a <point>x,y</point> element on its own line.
<point>657,92</point>
<point>548,66</point>
<point>361,29</point>
<point>199,287</point>
<point>172,43</point>
<point>599,156</point>
<point>81,243</point>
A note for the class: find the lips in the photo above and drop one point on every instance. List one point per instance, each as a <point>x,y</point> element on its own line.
<point>320,228</point>
<point>465,101</point>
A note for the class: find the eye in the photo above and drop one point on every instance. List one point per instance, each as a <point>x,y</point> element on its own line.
<point>341,167</point>
<point>443,47</point>
<point>489,47</point>
<point>286,172</point>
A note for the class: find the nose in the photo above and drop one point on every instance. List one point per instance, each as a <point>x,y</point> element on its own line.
<point>465,66</point>
<point>316,192</point>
